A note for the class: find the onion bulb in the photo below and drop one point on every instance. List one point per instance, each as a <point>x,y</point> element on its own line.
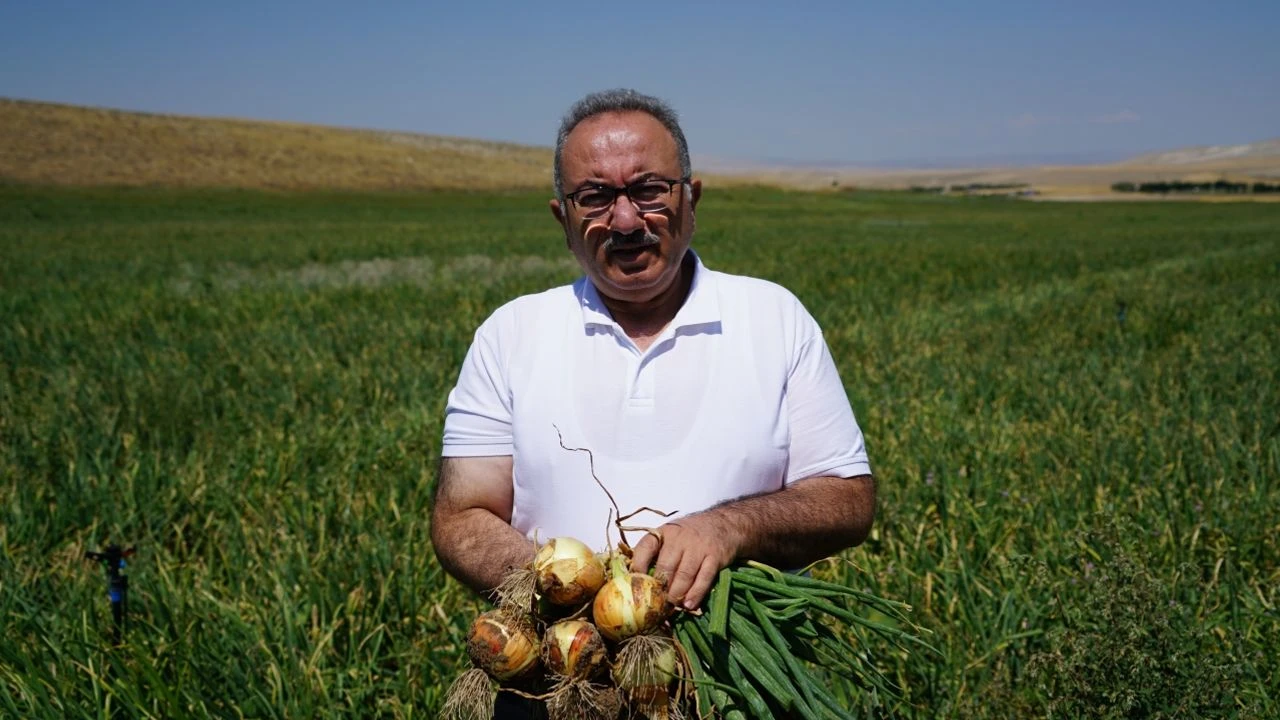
<point>568,572</point>
<point>503,644</point>
<point>574,648</point>
<point>644,671</point>
<point>629,604</point>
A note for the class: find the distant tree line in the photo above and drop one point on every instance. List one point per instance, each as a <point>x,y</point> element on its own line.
<point>969,187</point>
<point>1225,187</point>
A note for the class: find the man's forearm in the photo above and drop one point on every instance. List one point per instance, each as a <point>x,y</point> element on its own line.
<point>800,524</point>
<point>479,548</point>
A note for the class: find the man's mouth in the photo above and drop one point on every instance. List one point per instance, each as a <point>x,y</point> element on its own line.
<point>629,248</point>
<point>629,253</point>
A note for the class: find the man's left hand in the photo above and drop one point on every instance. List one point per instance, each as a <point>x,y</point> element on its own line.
<point>693,551</point>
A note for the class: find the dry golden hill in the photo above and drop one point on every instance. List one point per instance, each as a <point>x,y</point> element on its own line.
<point>48,143</point>
<point>68,145</point>
<point>1239,163</point>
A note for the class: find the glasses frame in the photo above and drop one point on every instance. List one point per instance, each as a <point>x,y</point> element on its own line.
<point>671,184</point>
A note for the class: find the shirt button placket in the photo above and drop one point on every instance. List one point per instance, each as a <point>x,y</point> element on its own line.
<point>641,395</point>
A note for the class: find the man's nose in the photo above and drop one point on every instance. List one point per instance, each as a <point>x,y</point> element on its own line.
<point>626,219</point>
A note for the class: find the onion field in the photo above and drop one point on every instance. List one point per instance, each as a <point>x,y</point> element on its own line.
<point>1073,411</point>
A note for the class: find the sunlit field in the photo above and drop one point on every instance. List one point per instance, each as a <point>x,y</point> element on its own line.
<point>1073,412</point>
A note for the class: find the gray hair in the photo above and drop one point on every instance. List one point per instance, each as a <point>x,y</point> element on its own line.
<point>619,100</point>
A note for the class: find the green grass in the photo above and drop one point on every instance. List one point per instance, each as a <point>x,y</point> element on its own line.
<point>1078,502</point>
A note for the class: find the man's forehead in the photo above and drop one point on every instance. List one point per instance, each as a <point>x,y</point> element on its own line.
<point>609,138</point>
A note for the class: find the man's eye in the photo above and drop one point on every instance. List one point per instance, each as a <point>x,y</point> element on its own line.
<point>648,192</point>
<point>595,198</point>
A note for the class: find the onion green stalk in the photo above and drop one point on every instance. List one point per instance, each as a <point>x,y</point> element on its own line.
<point>769,642</point>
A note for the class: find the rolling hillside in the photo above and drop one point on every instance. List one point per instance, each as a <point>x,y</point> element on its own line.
<point>45,143</point>
<point>1249,162</point>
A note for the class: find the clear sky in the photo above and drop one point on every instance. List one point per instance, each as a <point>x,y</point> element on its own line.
<point>807,82</point>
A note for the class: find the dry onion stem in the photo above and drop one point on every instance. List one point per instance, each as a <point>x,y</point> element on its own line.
<point>617,512</point>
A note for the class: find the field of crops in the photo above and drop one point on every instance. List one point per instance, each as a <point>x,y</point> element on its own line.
<point>1073,411</point>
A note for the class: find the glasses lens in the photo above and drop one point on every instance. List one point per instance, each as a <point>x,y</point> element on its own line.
<point>595,198</point>
<point>651,195</point>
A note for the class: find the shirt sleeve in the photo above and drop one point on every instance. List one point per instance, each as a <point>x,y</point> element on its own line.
<point>825,437</point>
<point>477,420</point>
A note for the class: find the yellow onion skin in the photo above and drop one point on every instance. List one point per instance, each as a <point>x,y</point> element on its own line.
<point>629,604</point>
<point>569,573</point>
<point>502,644</point>
<point>574,648</point>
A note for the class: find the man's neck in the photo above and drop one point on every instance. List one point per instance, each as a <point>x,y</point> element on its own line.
<point>644,321</point>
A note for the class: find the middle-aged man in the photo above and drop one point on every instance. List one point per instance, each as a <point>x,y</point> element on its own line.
<point>698,392</point>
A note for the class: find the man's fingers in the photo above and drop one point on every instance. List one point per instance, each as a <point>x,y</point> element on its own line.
<point>706,578</point>
<point>681,562</point>
<point>685,575</point>
<point>668,564</point>
<point>642,554</point>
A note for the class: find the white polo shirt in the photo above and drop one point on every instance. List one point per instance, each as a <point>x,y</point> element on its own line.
<point>739,395</point>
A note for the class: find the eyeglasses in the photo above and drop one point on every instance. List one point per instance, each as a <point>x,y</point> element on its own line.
<point>648,195</point>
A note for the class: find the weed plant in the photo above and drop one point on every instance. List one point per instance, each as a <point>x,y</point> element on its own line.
<point>1122,645</point>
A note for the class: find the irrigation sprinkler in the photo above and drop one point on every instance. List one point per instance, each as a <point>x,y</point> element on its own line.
<point>117,585</point>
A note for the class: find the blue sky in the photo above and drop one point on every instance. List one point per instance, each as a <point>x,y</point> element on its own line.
<point>818,82</point>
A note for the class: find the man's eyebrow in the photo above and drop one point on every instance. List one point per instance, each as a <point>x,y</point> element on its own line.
<point>600,183</point>
<point>584,184</point>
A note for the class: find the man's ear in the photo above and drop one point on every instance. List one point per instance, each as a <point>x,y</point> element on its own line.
<point>695,193</point>
<point>558,210</point>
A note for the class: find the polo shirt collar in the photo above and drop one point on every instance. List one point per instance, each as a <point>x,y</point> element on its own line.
<point>701,306</point>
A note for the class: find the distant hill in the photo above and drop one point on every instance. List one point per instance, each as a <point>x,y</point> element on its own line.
<point>69,145</point>
<point>1269,149</point>
<point>1251,162</point>
<point>1220,154</point>
<point>48,143</point>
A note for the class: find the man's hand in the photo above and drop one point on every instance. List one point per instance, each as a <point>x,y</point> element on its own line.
<point>804,522</point>
<point>693,551</point>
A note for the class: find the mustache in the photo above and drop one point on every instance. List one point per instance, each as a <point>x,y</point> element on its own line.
<point>637,239</point>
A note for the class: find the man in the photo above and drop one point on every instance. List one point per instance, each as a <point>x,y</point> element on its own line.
<point>710,395</point>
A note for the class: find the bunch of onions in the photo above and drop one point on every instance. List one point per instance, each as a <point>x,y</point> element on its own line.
<point>502,645</point>
<point>573,652</point>
<point>630,603</point>
<point>568,572</point>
